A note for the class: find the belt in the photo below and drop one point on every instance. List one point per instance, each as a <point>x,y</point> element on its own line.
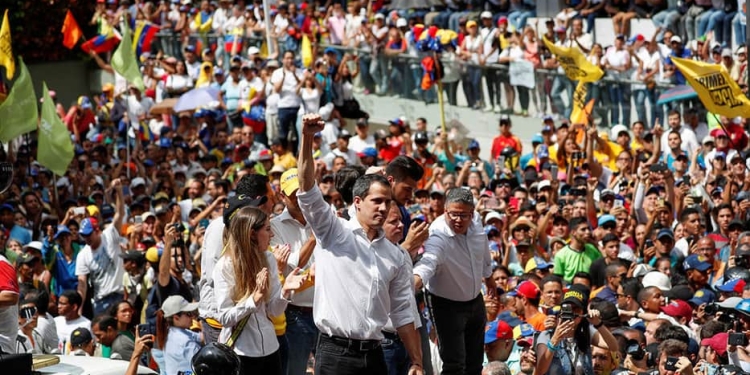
<point>391,336</point>
<point>352,344</point>
<point>213,323</point>
<point>302,309</point>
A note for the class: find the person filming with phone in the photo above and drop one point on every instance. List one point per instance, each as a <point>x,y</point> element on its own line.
<point>566,349</point>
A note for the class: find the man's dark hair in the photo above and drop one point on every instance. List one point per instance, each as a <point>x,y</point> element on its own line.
<point>403,167</point>
<point>40,298</point>
<point>609,315</point>
<point>674,112</point>
<point>631,286</point>
<point>73,297</point>
<point>668,331</point>
<point>583,275</point>
<point>645,293</point>
<point>104,322</point>
<point>609,237</point>
<point>576,222</point>
<point>222,184</point>
<point>552,279</point>
<point>723,206</point>
<point>674,347</point>
<point>253,185</point>
<point>344,179</point>
<point>687,212</point>
<point>361,187</point>
<point>711,328</point>
<point>526,208</point>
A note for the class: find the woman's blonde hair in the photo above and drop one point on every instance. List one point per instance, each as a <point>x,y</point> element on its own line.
<point>242,248</point>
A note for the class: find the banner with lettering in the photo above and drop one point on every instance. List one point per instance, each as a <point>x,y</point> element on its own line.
<point>718,92</point>
<point>574,63</point>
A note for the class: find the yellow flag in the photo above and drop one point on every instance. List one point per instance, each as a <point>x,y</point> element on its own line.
<point>581,111</point>
<point>574,62</point>
<point>6,51</point>
<point>718,92</point>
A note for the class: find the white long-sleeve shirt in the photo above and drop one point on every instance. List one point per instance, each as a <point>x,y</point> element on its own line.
<point>287,230</point>
<point>359,283</point>
<point>258,338</point>
<point>453,265</point>
<point>213,243</point>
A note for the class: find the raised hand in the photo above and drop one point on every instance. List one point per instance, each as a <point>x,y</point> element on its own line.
<point>293,282</point>
<point>261,285</point>
<point>312,123</point>
<point>281,253</point>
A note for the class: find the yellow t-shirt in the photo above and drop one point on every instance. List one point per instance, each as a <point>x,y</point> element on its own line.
<point>288,161</point>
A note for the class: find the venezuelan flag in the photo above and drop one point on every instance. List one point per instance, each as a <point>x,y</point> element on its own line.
<point>145,131</point>
<point>144,35</point>
<point>104,42</point>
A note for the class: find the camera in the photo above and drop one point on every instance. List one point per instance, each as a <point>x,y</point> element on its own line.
<point>566,312</point>
<point>737,339</point>
<point>671,364</point>
<point>635,351</point>
<point>577,155</point>
<point>649,243</point>
<point>742,261</point>
<point>711,309</point>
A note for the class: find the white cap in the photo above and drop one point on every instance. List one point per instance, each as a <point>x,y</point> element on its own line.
<point>708,139</point>
<point>195,171</point>
<point>62,182</point>
<point>543,184</point>
<point>657,279</point>
<point>379,16</point>
<point>253,50</point>
<point>146,215</point>
<point>641,270</point>
<point>616,130</point>
<point>177,304</point>
<point>36,245</point>
<point>675,38</point>
<point>277,168</point>
<point>492,215</point>
<point>402,22</point>
<point>730,302</point>
<point>486,14</point>
<point>138,181</point>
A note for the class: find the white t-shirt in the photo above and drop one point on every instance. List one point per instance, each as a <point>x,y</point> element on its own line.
<point>104,265</point>
<point>489,36</point>
<point>193,69</point>
<point>272,99</point>
<point>137,108</point>
<point>288,97</point>
<point>65,328</point>
<point>246,86</point>
<point>689,141</point>
<point>358,144</point>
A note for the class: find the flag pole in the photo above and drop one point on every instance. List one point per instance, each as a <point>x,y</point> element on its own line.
<point>441,103</point>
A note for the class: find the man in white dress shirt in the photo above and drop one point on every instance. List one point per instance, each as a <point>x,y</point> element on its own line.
<point>361,278</point>
<point>456,258</point>
<point>290,228</point>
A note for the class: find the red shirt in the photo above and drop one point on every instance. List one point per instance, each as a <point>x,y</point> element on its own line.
<point>500,142</point>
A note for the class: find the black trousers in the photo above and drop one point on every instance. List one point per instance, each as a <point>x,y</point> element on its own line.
<point>270,364</point>
<point>460,331</point>
<point>332,358</point>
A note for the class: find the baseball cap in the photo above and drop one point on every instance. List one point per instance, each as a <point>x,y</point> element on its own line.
<point>471,24</point>
<point>696,262</point>
<point>485,14</point>
<point>153,254</point>
<point>80,336</point>
<point>732,286</point>
<point>88,226</point>
<point>369,152</point>
<point>708,139</point>
<point>578,295</point>
<point>717,342</point>
<point>674,39</point>
<point>702,296</point>
<point>61,229</point>
<point>678,309</point>
<point>289,182</point>
<point>497,330</point>
<point>402,22</point>
<point>657,279</point>
<point>604,219</point>
<point>537,263</point>
<point>537,138</point>
<point>473,144</point>
<point>236,202</point>
<point>344,134</point>
<point>265,155</point>
<point>523,330</point>
<point>252,50</point>
<point>33,245</point>
<point>177,304</point>
<point>617,129</point>
<point>25,258</point>
<point>605,193</point>
<point>138,181</point>
<point>526,289</point>
<point>421,137</point>
<point>665,232</point>
<point>490,228</point>
<point>492,215</point>
<point>379,16</point>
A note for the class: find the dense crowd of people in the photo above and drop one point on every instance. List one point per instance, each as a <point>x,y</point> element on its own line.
<point>260,220</point>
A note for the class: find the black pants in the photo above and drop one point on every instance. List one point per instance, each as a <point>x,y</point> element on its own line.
<point>331,358</point>
<point>270,364</point>
<point>460,330</point>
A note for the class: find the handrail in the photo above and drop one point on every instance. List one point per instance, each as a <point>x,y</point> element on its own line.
<point>496,66</point>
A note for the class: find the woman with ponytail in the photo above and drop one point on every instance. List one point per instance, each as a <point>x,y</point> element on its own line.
<point>248,292</point>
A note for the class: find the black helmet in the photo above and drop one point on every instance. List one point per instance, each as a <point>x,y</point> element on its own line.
<point>737,273</point>
<point>216,359</point>
<point>508,152</point>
